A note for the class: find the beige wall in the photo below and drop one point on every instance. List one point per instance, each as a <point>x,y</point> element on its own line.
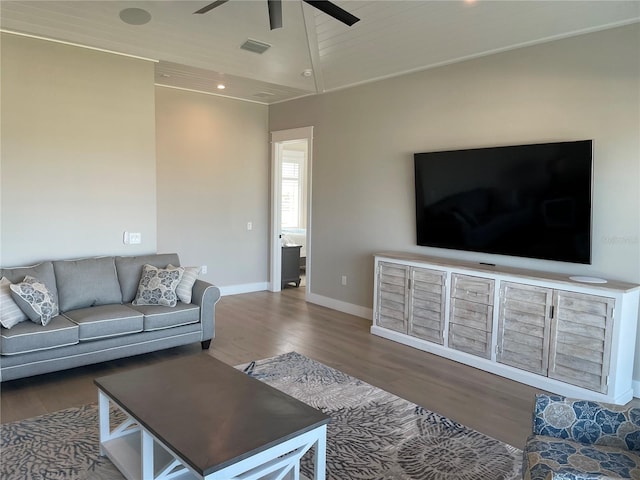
<point>78,164</point>
<point>584,87</point>
<point>213,178</point>
<point>365,137</point>
<point>78,152</point>
<point>78,157</point>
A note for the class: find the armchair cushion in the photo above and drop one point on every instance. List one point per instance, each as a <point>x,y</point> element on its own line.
<point>582,440</point>
<point>548,458</point>
<point>587,422</point>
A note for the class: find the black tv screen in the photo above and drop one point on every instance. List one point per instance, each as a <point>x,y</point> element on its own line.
<point>524,200</point>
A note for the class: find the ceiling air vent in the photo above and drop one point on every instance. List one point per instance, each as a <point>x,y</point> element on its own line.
<point>264,94</point>
<point>255,46</point>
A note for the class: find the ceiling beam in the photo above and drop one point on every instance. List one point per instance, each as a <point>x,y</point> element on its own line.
<point>312,42</point>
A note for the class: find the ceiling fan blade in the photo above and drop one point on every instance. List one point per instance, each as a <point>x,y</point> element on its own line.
<point>333,10</point>
<point>275,13</point>
<point>211,6</point>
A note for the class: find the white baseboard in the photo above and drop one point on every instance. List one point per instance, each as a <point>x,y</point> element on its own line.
<point>344,307</point>
<point>636,388</point>
<point>244,288</point>
<point>332,303</point>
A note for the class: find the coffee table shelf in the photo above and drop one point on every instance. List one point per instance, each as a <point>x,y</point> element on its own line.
<point>125,454</point>
<point>125,451</point>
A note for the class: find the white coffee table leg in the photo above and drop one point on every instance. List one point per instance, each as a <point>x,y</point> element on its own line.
<point>147,456</point>
<point>320,457</point>
<point>103,413</point>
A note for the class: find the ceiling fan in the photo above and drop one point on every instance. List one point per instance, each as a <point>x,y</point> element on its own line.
<point>275,11</point>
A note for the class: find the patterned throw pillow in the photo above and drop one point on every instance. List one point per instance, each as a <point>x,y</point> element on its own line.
<point>34,298</point>
<point>10,313</point>
<point>158,286</point>
<point>186,284</point>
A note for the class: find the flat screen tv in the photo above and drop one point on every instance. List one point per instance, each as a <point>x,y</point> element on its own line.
<point>524,200</point>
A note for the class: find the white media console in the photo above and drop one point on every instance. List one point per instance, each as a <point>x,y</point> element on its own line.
<point>574,337</point>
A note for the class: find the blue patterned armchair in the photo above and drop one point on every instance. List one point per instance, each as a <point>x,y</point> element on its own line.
<point>582,440</point>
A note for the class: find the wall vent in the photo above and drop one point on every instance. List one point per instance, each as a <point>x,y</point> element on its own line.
<point>255,46</point>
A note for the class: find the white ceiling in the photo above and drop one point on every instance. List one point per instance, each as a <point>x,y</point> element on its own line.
<point>393,37</point>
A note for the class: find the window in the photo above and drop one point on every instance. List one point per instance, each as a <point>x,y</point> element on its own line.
<point>292,189</point>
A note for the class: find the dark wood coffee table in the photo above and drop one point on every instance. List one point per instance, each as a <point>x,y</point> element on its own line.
<point>198,418</point>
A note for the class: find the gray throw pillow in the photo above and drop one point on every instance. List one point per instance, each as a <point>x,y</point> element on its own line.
<point>158,286</point>
<point>34,298</point>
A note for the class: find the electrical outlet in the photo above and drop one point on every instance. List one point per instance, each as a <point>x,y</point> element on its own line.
<point>344,279</point>
<point>203,269</point>
<point>132,238</point>
<point>249,226</point>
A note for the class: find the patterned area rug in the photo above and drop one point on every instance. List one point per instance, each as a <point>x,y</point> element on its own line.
<point>373,435</point>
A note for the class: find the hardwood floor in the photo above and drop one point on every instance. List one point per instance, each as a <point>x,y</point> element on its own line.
<point>263,324</point>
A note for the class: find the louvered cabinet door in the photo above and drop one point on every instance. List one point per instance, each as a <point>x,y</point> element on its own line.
<point>427,304</point>
<point>393,296</point>
<point>581,339</point>
<point>471,314</point>
<point>524,327</point>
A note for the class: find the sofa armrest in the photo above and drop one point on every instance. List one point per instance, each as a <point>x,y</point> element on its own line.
<point>587,422</point>
<point>206,296</point>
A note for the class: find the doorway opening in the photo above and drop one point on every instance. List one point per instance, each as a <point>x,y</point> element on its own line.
<point>291,209</point>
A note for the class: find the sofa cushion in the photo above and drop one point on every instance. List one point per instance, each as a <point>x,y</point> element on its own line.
<point>29,337</point>
<point>42,271</point>
<point>105,321</point>
<point>158,317</point>
<point>129,271</point>
<point>88,282</point>
<point>10,313</point>
<point>34,298</point>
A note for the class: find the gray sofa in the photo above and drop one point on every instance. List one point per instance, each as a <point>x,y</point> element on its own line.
<point>97,320</point>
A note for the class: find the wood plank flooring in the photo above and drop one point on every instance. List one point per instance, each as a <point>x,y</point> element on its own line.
<point>263,324</point>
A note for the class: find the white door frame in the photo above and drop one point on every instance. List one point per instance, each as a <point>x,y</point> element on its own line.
<point>278,138</point>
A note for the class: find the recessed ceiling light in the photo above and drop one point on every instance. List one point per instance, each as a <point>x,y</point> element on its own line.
<point>307,73</point>
<point>221,86</point>
<point>135,16</point>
